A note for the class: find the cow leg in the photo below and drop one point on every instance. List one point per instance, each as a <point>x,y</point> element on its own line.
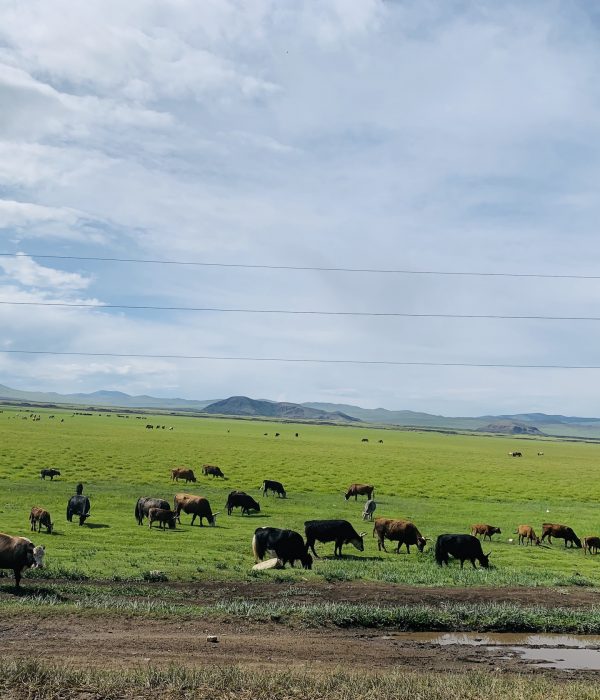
<point>193,518</point>
<point>462,561</point>
<point>398,547</point>
<point>473,563</point>
<point>312,548</point>
<point>17,577</point>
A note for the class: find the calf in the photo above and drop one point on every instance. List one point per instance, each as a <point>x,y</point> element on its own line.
<point>274,486</point>
<point>143,505</point>
<point>526,532</point>
<point>562,532</point>
<point>591,544</point>
<point>357,490</point>
<point>339,531</point>
<point>162,516</point>
<point>287,545</point>
<point>211,470</point>
<point>39,517</point>
<point>50,473</point>
<point>461,547</point>
<point>401,531</point>
<point>485,530</point>
<point>369,509</point>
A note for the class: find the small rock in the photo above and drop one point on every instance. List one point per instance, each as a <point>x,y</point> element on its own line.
<point>212,638</point>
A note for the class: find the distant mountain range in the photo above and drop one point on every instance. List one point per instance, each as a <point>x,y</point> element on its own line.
<point>517,424</point>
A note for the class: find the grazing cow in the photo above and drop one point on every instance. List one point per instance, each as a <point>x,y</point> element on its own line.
<point>49,472</point>
<point>78,505</point>
<point>163,516</point>
<point>182,473</point>
<point>297,434</point>
<point>485,530</point>
<point>380,442</point>
<point>562,532</point>
<point>276,434</point>
<point>462,547</point>
<point>365,440</point>
<point>526,532</point>
<point>287,545</point>
<point>515,454</point>
<point>369,509</point>
<point>357,490</point>
<point>143,505</point>
<point>274,486</point>
<point>540,454</point>
<point>265,434</point>
<point>209,469</point>
<point>149,427</point>
<point>39,517</point>
<point>239,499</point>
<point>79,489</point>
<point>339,531</point>
<point>18,553</point>
<point>592,544</point>
<point>401,531</point>
<point>196,506</point>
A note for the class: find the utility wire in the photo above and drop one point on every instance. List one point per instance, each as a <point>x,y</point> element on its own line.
<point>215,309</point>
<point>296,360</point>
<point>301,268</point>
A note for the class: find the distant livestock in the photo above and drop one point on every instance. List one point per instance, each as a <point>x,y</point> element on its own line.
<point>485,530</point>
<point>196,506</point>
<point>50,473</point>
<point>526,532</point>
<point>143,505</point>
<point>39,517</point>
<point>339,531</point>
<point>162,516</point>
<point>461,547</point>
<point>540,454</point>
<point>18,553</point>
<point>240,499</point>
<point>515,454</point>
<point>286,545</point>
<point>380,442</point>
<point>211,470</point>
<point>369,509</point>
<point>591,544</point>
<point>401,531</point>
<point>275,486</point>
<point>365,440</point>
<point>357,490</point>
<point>182,473</point>
<point>561,532</point>
<point>78,505</point>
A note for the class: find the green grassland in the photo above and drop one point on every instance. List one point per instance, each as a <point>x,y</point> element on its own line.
<point>444,482</point>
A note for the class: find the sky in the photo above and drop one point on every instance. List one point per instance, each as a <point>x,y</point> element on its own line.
<point>438,135</point>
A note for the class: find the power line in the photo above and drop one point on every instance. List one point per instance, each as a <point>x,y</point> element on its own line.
<point>297,360</point>
<point>398,314</point>
<point>195,263</point>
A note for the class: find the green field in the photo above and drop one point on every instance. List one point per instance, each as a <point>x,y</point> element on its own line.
<point>443,482</point>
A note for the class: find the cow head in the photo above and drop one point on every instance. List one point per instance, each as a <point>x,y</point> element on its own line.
<point>193,478</point>
<point>347,495</point>
<point>421,542</point>
<point>496,530</point>
<point>358,542</point>
<point>213,521</point>
<point>38,557</point>
<point>484,560</point>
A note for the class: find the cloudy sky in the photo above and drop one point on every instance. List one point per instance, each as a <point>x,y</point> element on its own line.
<point>453,136</point>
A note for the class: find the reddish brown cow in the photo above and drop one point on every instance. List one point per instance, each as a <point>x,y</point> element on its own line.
<point>196,506</point>
<point>562,532</point>
<point>357,490</point>
<point>485,530</point>
<point>526,532</point>
<point>592,544</point>
<point>402,531</point>
<point>182,473</point>
<point>39,517</point>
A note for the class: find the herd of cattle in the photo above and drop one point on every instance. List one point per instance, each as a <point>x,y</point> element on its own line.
<point>286,546</point>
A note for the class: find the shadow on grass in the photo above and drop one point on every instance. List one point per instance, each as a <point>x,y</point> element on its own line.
<point>97,526</point>
<point>31,591</point>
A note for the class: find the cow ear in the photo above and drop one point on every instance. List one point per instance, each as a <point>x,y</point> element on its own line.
<point>488,554</point>
<point>362,534</point>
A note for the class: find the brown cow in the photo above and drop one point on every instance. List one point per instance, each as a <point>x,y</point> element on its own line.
<point>196,506</point>
<point>592,544</point>
<point>182,473</point>
<point>39,517</point>
<point>402,531</point>
<point>357,490</point>
<point>562,532</point>
<point>526,532</point>
<point>485,530</point>
<point>211,470</point>
<point>163,517</point>
<point>18,553</point>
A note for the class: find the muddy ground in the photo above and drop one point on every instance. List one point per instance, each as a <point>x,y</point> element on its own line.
<point>117,641</point>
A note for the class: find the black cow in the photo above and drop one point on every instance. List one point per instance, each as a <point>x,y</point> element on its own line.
<point>339,531</point>
<point>49,472</point>
<point>78,505</point>
<point>461,547</point>
<point>239,499</point>
<point>287,545</point>
<point>143,505</point>
<point>274,486</point>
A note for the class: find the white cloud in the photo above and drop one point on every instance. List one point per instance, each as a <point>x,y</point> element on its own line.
<point>27,272</point>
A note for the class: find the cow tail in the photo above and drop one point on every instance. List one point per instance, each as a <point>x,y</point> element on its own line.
<point>137,511</point>
<point>257,548</point>
<point>439,555</point>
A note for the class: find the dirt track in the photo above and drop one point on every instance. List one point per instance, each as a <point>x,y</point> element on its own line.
<point>116,641</point>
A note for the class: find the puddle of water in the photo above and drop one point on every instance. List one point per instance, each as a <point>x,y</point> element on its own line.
<point>563,659</point>
<point>500,639</point>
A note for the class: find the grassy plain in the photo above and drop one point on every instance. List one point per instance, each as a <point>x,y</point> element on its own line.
<point>444,482</point>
